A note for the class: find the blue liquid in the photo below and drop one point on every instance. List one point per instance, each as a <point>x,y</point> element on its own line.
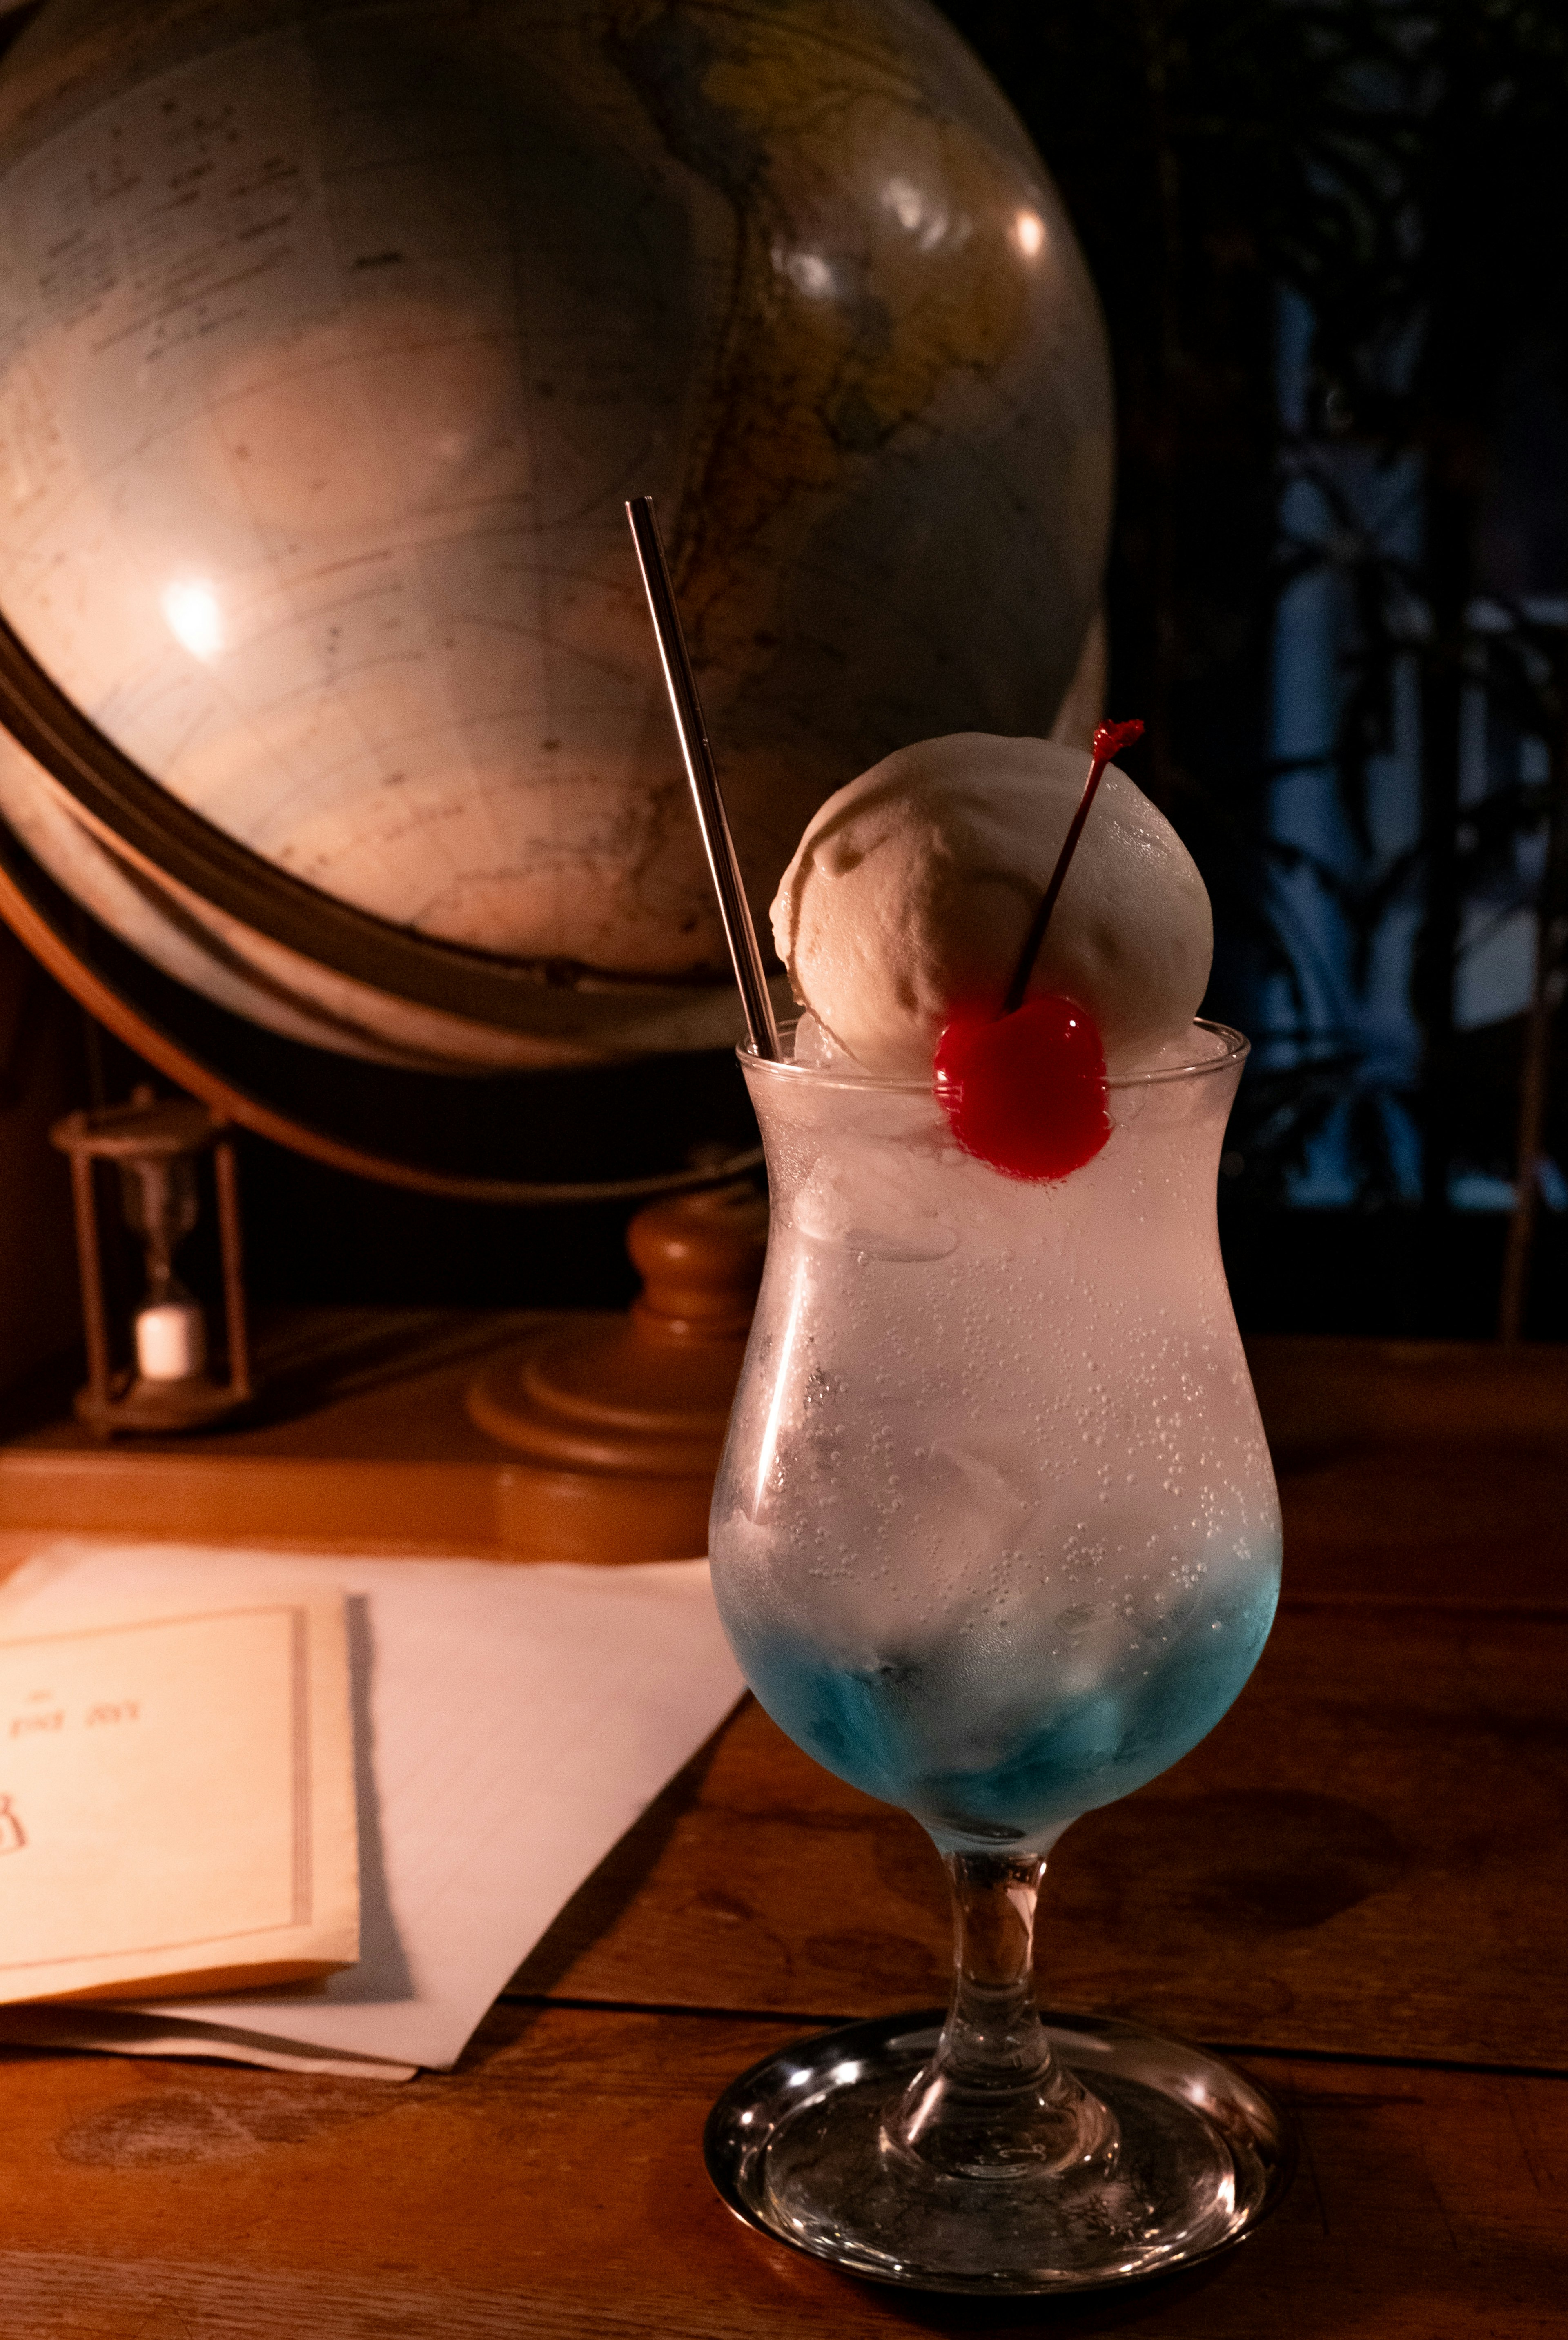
<point>893,1728</point>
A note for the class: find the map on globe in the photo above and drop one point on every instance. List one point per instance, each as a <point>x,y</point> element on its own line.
<point>333,336</point>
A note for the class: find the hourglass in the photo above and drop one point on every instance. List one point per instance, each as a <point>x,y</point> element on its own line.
<point>155,1146</point>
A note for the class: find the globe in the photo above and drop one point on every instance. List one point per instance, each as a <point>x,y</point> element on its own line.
<point>333,336</point>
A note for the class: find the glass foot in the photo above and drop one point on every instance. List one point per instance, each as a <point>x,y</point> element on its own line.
<point>1189,2156</point>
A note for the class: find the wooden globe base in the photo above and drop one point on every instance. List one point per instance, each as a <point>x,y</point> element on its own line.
<point>619,1422</point>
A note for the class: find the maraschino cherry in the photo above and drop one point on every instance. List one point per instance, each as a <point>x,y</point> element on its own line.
<point>1025,1090</point>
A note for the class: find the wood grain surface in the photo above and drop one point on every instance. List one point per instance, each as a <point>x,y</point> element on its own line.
<point>1352,1863</point>
<point>1355,1884</point>
<point>554,2187</point>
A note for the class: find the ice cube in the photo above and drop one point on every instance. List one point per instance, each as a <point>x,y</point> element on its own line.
<point>876,1203</point>
<point>815,1045</point>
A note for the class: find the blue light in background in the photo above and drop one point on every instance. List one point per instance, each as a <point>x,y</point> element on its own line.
<point>1344,515</point>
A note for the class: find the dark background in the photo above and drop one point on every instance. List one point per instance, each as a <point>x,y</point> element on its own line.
<point>1400,173</point>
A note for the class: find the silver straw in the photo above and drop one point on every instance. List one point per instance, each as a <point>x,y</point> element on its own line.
<point>692,733</point>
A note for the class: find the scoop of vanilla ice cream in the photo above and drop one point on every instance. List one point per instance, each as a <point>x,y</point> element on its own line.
<point>913,889</point>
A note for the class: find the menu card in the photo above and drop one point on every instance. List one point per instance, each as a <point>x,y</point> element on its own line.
<point>177,1803</point>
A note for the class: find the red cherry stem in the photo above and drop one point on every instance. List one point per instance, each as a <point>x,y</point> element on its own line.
<point>1109,741</point>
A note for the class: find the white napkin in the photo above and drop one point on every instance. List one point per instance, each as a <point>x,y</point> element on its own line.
<point>511,1723</point>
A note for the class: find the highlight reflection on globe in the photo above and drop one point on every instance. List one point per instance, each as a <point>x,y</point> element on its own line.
<point>334,336</point>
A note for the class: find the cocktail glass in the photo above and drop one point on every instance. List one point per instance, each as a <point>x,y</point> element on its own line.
<point>996,1538</point>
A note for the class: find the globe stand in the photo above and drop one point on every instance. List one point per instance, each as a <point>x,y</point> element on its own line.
<point>619,1422</point>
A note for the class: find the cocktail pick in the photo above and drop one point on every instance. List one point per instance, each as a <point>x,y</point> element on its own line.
<point>1109,741</point>
<point>1024,1086</point>
<point>698,757</point>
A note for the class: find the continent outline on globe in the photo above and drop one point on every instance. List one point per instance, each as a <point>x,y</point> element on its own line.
<point>795,362</point>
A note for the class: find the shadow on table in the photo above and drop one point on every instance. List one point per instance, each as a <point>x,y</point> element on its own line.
<point>606,1894</point>
<point>1120,2312</point>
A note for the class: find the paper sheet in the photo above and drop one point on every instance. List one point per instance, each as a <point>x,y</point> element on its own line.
<point>511,1723</point>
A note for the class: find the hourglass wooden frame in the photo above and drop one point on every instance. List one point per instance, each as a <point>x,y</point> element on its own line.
<point>116,1397</point>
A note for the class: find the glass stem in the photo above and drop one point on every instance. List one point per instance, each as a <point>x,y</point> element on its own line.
<point>994,2101</point>
<point>993,2035</point>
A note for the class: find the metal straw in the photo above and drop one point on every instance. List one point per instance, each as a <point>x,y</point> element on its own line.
<point>698,757</point>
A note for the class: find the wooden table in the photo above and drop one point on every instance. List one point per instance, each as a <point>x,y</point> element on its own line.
<point>1355,1884</point>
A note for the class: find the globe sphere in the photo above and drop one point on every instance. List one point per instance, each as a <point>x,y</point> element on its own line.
<point>336,333</point>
